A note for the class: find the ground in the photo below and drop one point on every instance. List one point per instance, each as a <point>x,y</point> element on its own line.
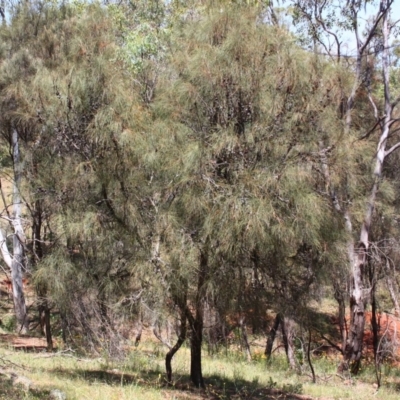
<point>227,373</point>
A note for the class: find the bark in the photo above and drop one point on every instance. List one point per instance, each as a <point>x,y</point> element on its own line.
<point>45,324</point>
<point>64,327</point>
<point>272,335</point>
<point>7,257</point>
<point>340,298</point>
<point>360,293</point>
<point>354,343</point>
<point>287,326</point>
<point>44,309</point>
<point>18,261</point>
<point>374,324</point>
<point>314,379</point>
<point>176,347</point>
<point>139,333</point>
<point>49,338</point>
<point>17,287</point>
<point>196,325</point>
<point>196,373</point>
<point>246,345</point>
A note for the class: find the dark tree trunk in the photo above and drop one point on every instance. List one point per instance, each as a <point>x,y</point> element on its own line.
<point>139,333</point>
<point>196,324</point>
<point>375,325</point>
<point>196,373</point>
<point>44,309</point>
<point>178,344</point>
<point>272,335</point>
<point>314,379</point>
<point>64,327</point>
<point>44,318</point>
<point>49,338</point>
<point>340,298</point>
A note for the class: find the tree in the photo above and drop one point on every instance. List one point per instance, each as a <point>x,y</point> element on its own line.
<point>245,110</point>
<point>73,104</point>
<point>16,260</point>
<point>376,38</point>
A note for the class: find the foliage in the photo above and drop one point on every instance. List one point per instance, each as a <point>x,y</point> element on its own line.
<point>191,158</point>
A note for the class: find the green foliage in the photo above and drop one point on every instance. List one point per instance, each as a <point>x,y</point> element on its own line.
<point>296,388</point>
<point>253,112</point>
<point>175,153</point>
<point>9,322</point>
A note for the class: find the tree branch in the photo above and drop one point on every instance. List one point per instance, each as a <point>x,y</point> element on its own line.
<point>392,149</point>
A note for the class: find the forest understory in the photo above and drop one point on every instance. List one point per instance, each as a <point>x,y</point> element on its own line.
<point>29,371</point>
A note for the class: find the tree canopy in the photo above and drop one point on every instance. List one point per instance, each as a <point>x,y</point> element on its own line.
<point>197,161</point>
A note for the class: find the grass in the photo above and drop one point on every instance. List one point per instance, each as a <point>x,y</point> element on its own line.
<point>228,376</point>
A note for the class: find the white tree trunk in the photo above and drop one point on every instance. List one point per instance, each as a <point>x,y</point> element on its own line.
<point>359,293</point>
<point>16,261</point>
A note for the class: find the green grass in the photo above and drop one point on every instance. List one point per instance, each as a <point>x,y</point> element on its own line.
<point>228,375</point>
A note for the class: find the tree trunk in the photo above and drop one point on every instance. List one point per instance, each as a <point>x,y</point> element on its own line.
<point>18,262</point>
<point>41,289</point>
<point>243,328</point>
<point>49,338</point>
<point>64,327</point>
<point>272,335</point>
<point>139,333</point>
<point>314,379</point>
<point>288,336</point>
<point>360,294</point>
<point>196,373</point>
<point>354,345</point>
<point>340,298</point>
<point>44,317</point>
<point>375,325</point>
<point>196,324</point>
<point>178,344</point>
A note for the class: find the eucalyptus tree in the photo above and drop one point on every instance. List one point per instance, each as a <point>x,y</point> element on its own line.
<point>13,127</point>
<point>324,23</point>
<point>15,259</point>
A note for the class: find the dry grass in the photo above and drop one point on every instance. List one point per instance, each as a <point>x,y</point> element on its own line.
<point>228,376</point>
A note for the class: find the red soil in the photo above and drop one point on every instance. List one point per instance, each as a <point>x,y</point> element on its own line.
<point>389,334</point>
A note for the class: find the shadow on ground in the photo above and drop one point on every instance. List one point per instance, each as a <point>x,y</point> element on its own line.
<point>217,388</point>
<point>10,392</point>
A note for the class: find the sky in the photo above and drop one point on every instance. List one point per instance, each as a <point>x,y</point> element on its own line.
<point>347,37</point>
<point>370,11</point>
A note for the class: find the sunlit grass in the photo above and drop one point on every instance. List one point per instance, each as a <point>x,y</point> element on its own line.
<point>141,376</point>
